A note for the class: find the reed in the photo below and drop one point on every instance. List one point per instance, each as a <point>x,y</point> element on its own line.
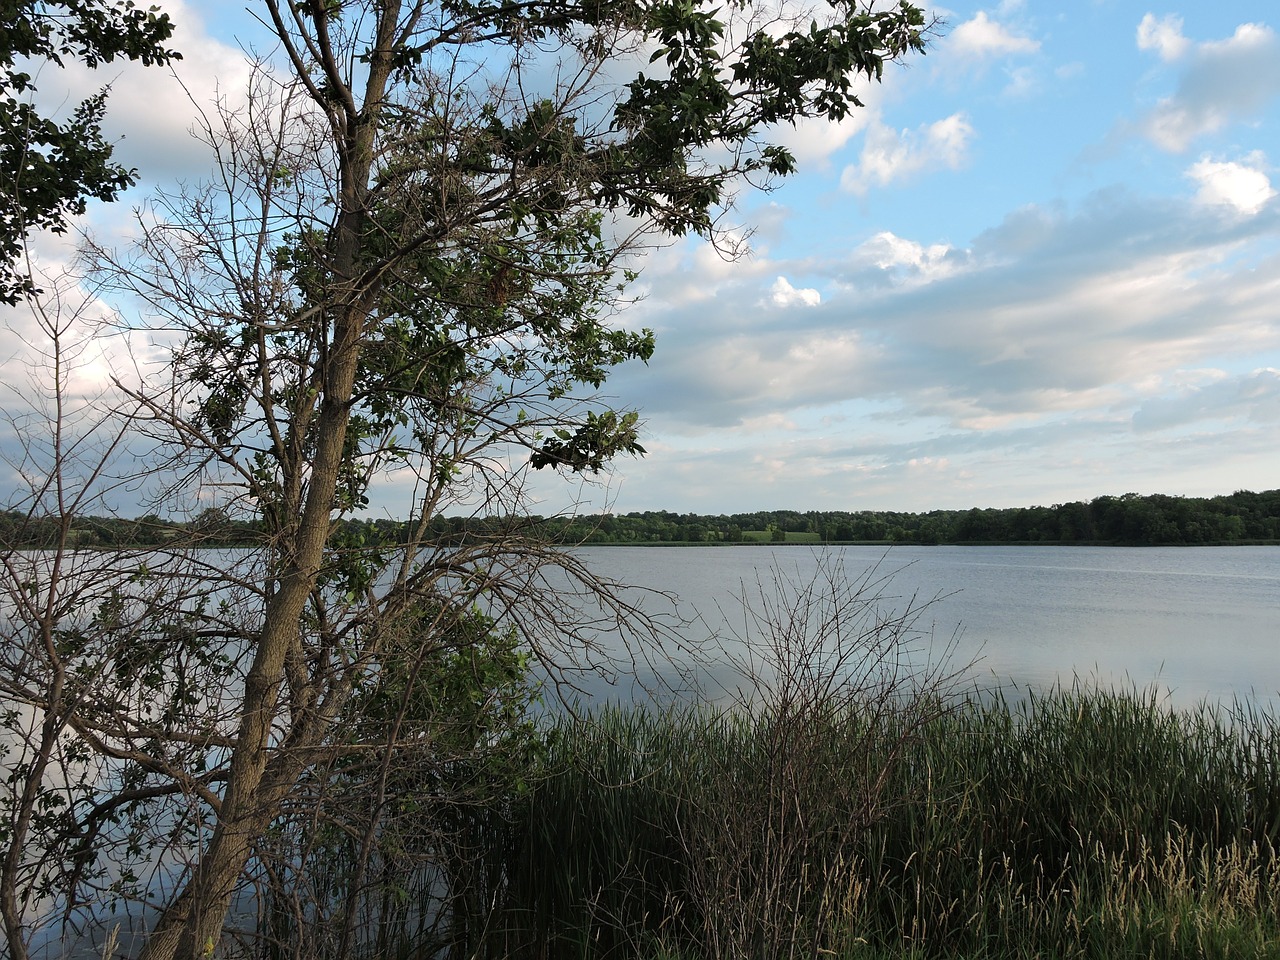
<point>1075,823</point>
<point>846,804</point>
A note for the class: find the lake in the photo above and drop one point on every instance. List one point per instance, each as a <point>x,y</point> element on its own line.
<point>1194,623</point>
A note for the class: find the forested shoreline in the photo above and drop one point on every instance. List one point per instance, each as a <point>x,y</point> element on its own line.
<point>1127,520</point>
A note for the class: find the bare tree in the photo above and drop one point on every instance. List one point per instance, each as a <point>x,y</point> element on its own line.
<point>105,654</point>
<point>836,677</point>
<point>405,270</point>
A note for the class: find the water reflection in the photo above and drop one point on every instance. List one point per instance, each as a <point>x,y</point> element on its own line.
<point>1194,623</point>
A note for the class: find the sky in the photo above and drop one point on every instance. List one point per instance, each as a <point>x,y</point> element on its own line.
<point>1041,265</point>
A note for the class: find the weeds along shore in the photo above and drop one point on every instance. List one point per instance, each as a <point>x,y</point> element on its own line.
<point>844,802</point>
<point>1077,823</point>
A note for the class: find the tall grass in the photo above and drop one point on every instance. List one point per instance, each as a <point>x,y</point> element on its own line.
<point>845,805</point>
<point>1076,823</point>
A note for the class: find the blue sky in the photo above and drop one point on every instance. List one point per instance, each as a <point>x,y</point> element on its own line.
<point>1041,265</point>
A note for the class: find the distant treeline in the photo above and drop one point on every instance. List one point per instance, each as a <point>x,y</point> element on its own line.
<point>1242,517</point>
<point>1126,520</point>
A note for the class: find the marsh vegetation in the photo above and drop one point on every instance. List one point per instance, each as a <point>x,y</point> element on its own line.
<point>1077,823</point>
<point>851,799</point>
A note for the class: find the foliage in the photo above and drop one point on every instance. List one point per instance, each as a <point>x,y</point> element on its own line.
<point>383,844</point>
<point>405,269</point>
<point>1130,520</point>
<point>51,167</point>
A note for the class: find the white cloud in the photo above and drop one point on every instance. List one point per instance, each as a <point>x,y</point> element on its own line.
<point>1054,317</point>
<point>1218,397</point>
<point>889,155</point>
<point>783,294</point>
<point>1240,185</point>
<point>904,258</point>
<point>1163,36</point>
<point>65,350</point>
<point>1247,36</point>
<point>1129,343</point>
<point>151,110</point>
<point>1225,81</point>
<point>693,271</point>
<point>983,39</point>
<point>814,139</point>
<point>1023,82</point>
<point>768,423</point>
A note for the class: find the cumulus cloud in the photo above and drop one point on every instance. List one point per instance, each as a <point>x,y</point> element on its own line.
<point>693,271</point>
<point>1242,186</point>
<point>1054,317</point>
<point>151,110</point>
<point>783,294</point>
<point>973,46</point>
<point>1224,81</point>
<point>982,39</point>
<point>1123,340</point>
<point>891,251</point>
<point>890,155</point>
<point>813,140</point>
<point>1164,36</point>
<point>887,260</point>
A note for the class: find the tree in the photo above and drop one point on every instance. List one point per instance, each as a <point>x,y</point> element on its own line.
<point>104,655</point>
<point>51,168</point>
<point>408,263</point>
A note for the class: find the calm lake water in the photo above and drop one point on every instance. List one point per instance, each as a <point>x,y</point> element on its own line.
<point>1193,623</point>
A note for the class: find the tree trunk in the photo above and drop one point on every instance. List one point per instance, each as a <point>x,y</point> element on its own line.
<point>191,925</point>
